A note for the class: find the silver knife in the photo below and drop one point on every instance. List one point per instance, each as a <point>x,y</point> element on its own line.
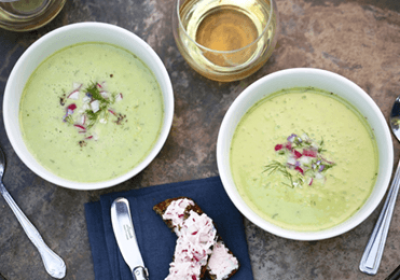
<point>126,239</point>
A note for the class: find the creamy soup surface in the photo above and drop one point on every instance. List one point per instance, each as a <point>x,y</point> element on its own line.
<point>304,159</point>
<point>91,112</point>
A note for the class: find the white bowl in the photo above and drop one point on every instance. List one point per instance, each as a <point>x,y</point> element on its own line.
<point>61,38</point>
<point>325,80</point>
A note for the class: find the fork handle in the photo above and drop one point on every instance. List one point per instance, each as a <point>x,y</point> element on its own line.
<point>372,255</point>
<point>53,264</point>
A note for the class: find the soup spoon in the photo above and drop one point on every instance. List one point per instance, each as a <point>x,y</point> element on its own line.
<point>373,252</point>
<point>53,264</point>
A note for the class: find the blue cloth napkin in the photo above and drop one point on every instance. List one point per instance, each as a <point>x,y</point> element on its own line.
<point>155,239</point>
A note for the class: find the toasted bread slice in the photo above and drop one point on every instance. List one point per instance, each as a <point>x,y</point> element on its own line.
<point>222,264</point>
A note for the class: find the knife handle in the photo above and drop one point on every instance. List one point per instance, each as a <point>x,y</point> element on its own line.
<point>395,275</point>
<point>140,273</point>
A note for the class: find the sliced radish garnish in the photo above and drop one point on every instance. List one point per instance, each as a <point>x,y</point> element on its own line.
<point>291,161</point>
<point>310,162</point>
<point>328,161</point>
<point>104,94</point>
<point>81,128</point>
<point>298,168</point>
<point>95,105</point>
<point>119,97</point>
<point>101,85</point>
<point>277,147</point>
<point>74,95</point>
<point>297,154</point>
<point>77,86</point>
<point>83,119</point>
<point>71,107</point>
<point>305,160</point>
<point>70,110</point>
<point>310,153</point>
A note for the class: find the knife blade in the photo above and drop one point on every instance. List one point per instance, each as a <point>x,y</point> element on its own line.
<point>124,232</point>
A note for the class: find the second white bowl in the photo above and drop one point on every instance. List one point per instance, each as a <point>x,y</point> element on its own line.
<point>327,81</point>
<point>59,39</point>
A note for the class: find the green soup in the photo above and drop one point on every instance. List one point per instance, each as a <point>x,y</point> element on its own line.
<point>91,112</point>
<point>304,159</point>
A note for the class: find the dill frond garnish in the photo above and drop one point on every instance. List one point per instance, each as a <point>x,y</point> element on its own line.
<point>95,93</point>
<point>93,117</point>
<point>273,167</point>
<point>277,166</point>
<point>321,147</point>
<point>69,119</point>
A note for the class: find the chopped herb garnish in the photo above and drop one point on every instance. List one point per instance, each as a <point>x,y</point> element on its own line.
<point>304,161</point>
<point>94,91</point>
<point>69,119</point>
<point>96,109</point>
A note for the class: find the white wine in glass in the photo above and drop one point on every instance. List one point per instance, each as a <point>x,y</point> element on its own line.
<point>225,40</point>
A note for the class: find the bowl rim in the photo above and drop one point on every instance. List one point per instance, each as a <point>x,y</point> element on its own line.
<point>167,94</point>
<point>230,188</point>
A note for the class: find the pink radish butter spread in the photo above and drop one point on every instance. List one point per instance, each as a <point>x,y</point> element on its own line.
<point>197,244</point>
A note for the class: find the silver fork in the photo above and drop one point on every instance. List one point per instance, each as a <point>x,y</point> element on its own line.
<point>53,264</point>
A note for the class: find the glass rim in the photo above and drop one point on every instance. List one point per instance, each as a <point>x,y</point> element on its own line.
<point>29,22</point>
<point>225,52</point>
<point>27,16</point>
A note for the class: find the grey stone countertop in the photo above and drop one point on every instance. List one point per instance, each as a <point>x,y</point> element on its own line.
<point>359,39</point>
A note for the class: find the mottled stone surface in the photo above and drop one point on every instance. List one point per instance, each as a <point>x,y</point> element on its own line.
<point>359,39</point>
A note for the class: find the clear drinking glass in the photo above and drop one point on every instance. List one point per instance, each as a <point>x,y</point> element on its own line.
<point>225,40</point>
<point>25,15</point>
